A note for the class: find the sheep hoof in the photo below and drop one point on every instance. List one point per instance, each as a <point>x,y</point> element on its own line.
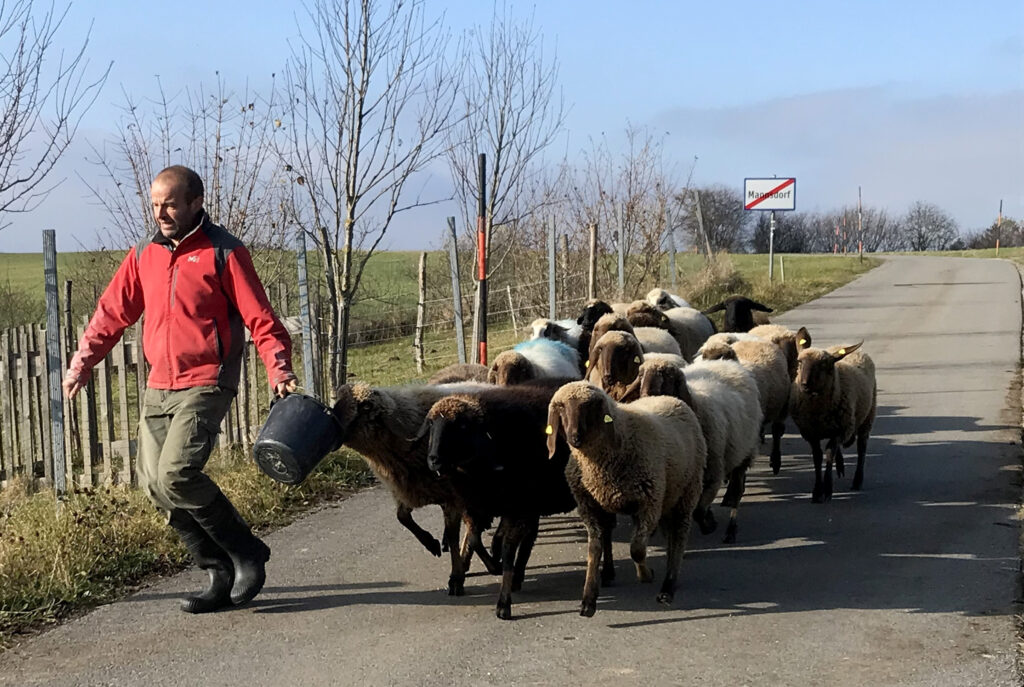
<point>504,610</point>
<point>858,481</point>
<point>588,609</point>
<point>456,588</point>
<point>707,523</point>
<point>776,463</point>
<point>730,534</point>
<point>665,598</point>
<point>435,548</point>
<point>645,574</point>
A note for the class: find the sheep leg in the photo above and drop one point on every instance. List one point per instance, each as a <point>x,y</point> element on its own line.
<point>643,527</point>
<point>476,544</point>
<point>526,541</point>
<point>818,495</point>
<point>510,542</point>
<point>452,525</point>
<point>837,454</point>
<point>496,541</point>
<point>677,535</point>
<point>830,452</point>
<point>862,449</point>
<point>778,429</point>
<point>588,606</point>
<point>737,485</point>
<point>404,515</point>
<point>607,560</point>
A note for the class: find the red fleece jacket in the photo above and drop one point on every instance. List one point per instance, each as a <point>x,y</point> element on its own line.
<point>196,298</point>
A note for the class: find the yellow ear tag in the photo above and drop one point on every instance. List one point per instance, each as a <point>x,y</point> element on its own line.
<point>803,341</point>
<point>548,430</point>
<point>842,351</point>
<point>607,419</point>
<point>636,360</point>
<point>586,364</point>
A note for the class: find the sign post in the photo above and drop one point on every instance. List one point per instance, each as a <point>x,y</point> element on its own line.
<point>770,194</point>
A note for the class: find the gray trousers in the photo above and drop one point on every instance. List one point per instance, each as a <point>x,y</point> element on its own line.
<point>176,435</point>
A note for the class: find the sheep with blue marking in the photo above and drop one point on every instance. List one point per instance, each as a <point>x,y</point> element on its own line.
<point>535,359</point>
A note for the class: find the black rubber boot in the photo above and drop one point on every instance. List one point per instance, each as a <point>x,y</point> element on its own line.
<point>248,554</point>
<point>207,556</point>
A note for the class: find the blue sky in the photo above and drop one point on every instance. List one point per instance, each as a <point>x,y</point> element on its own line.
<point>909,100</point>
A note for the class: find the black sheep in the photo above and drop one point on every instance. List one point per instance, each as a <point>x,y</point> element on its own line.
<point>738,313</point>
<point>493,447</point>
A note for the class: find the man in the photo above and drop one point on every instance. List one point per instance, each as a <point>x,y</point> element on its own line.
<point>197,286</point>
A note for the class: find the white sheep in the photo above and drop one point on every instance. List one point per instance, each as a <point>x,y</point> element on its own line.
<point>834,399</point>
<point>535,359</point>
<point>652,339</point>
<point>724,396</point>
<point>644,459</point>
<point>566,331</point>
<point>691,328</point>
<point>789,341</point>
<point>767,363</point>
<point>663,300</point>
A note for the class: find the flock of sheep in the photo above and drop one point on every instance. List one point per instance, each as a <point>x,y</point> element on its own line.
<point>636,409</point>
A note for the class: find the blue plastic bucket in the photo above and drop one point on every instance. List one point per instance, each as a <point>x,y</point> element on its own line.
<point>299,433</point>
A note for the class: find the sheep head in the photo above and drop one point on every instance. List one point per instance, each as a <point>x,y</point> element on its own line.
<point>661,299</point>
<point>816,368</point>
<point>510,367</point>
<point>608,323</point>
<point>717,351</point>
<point>580,413</point>
<point>354,404</point>
<point>592,312</point>
<point>661,378</point>
<point>457,434</point>
<point>618,358</point>
<point>544,328</point>
<point>643,314</point>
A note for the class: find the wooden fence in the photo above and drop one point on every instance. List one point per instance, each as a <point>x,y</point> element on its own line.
<point>100,424</point>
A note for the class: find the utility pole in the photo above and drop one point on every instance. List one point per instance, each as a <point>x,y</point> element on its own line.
<point>860,228</point>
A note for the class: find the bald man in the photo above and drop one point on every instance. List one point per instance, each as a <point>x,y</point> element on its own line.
<point>198,288</point>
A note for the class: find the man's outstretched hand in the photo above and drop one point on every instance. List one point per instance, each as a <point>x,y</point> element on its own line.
<point>284,388</point>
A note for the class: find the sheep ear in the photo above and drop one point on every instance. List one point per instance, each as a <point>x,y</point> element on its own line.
<point>553,429</point>
<point>803,338</point>
<point>847,350</point>
<point>714,308</point>
<point>632,391</point>
<point>759,306</point>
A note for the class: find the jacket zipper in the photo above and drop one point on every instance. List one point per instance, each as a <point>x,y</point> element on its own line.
<point>170,315</point>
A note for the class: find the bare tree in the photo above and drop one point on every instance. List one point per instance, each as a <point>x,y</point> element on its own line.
<point>226,137</point>
<point>626,195</point>
<point>43,96</point>
<point>725,220</point>
<point>928,227</point>
<point>513,113</point>
<point>368,99</point>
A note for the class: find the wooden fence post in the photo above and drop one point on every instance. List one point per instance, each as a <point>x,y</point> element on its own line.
<point>591,282</point>
<point>421,308</point>
<point>512,312</point>
<point>311,382</point>
<point>551,271</point>
<point>55,370</point>
<point>453,261</point>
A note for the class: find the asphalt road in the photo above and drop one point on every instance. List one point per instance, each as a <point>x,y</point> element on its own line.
<point>911,581</point>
